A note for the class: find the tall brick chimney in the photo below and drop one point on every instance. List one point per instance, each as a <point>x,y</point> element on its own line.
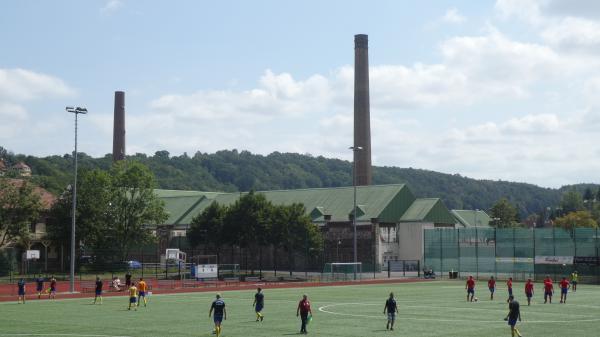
<point>119,127</point>
<point>362,114</point>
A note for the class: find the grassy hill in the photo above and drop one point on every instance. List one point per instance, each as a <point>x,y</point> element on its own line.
<point>232,170</point>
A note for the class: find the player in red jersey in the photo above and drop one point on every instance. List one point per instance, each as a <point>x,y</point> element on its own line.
<point>492,287</point>
<point>509,286</point>
<point>304,312</point>
<point>470,286</point>
<point>548,289</point>
<point>564,288</point>
<point>529,291</point>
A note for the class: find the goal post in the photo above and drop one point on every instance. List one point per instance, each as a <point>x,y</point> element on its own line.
<point>337,271</point>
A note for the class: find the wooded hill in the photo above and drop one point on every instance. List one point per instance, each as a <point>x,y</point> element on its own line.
<point>232,170</point>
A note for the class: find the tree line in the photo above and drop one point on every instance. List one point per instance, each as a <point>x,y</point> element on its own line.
<point>233,171</point>
<point>253,223</point>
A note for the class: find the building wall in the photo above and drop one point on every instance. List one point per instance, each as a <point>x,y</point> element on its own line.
<point>410,240</point>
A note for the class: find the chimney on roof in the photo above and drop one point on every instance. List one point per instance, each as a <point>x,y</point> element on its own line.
<point>119,127</point>
<point>362,115</point>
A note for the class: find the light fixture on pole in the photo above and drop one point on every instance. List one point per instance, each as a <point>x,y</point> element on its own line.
<point>76,111</point>
<point>354,150</point>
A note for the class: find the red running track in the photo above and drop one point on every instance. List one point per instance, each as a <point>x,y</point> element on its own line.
<point>8,292</point>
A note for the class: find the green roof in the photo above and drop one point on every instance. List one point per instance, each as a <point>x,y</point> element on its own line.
<point>471,218</point>
<point>387,203</point>
<point>428,210</point>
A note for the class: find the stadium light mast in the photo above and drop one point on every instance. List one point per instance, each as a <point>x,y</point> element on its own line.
<point>76,111</point>
<point>354,150</point>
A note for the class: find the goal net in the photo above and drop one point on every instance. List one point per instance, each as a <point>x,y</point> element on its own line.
<point>229,270</point>
<point>336,271</point>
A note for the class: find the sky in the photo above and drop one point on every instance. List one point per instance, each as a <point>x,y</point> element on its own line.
<point>501,90</point>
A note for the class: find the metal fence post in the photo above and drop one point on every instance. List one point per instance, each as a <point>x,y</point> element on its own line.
<point>533,253</point>
<point>458,249</point>
<point>496,252</point>
<point>441,256</point>
<point>476,254</point>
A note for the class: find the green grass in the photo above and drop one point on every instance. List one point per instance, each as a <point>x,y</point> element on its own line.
<point>426,309</point>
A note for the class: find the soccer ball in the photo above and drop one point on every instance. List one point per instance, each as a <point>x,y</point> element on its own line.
<point>475,299</point>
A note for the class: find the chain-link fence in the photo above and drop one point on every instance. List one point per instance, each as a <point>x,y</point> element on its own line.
<point>513,252</point>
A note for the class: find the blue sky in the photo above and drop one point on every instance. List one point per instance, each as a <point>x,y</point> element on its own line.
<point>502,89</point>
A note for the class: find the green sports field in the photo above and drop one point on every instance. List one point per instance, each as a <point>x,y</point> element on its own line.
<point>426,309</point>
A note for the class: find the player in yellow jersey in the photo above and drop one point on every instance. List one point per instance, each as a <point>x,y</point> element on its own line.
<point>142,291</point>
<point>133,291</point>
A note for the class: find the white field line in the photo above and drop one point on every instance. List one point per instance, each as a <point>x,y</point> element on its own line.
<point>575,320</point>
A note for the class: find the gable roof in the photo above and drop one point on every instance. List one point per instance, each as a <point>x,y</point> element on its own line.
<point>392,203</point>
<point>428,210</point>
<point>471,218</point>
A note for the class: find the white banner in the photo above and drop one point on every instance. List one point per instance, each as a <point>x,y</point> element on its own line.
<point>514,259</point>
<point>207,271</point>
<point>553,260</point>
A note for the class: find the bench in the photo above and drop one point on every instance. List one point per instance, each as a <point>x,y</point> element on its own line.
<point>168,284</point>
<point>191,283</point>
<point>87,286</point>
<point>231,280</point>
<point>253,279</point>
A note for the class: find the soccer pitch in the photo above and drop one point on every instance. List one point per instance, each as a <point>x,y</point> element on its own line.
<point>436,308</point>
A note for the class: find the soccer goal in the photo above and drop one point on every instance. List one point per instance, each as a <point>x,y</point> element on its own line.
<point>229,270</point>
<point>341,271</point>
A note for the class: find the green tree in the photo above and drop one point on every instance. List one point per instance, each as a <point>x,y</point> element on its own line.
<point>576,219</point>
<point>20,206</point>
<point>588,195</point>
<point>571,201</point>
<point>506,213</point>
<point>133,207</point>
<point>92,217</point>
<point>292,230</point>
<point>114,211</point>
<point>207,228</point>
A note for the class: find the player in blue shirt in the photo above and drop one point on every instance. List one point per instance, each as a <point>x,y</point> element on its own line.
<point>39,286</point>
<point>220,314</point>
<point>21,286</point>
<point>391,308</point>
<point>259,303</point>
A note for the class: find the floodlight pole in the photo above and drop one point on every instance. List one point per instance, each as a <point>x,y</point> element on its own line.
<point>354,150</point>
<point>76,111</point>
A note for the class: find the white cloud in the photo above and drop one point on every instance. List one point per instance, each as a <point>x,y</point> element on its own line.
<point>277,95</point>
<point>453,16</point>
<point>22,85</point>
<point>526,10</point>
<point>573,33</point>
<point>111,6</point>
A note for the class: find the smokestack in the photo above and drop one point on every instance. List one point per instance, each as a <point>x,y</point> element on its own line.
<point>119,127</point>
<point>362,115</point>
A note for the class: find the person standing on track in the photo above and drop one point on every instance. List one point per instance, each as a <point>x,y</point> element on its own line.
<point>21,289</point>
<point>492,287</point>
<point>39,286</point>
<point>258,304</point>
<point>52,292</point>
<point>392,308</point>
<point>470,286</point>
<point>218,306</point>
<point>303,311</point>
